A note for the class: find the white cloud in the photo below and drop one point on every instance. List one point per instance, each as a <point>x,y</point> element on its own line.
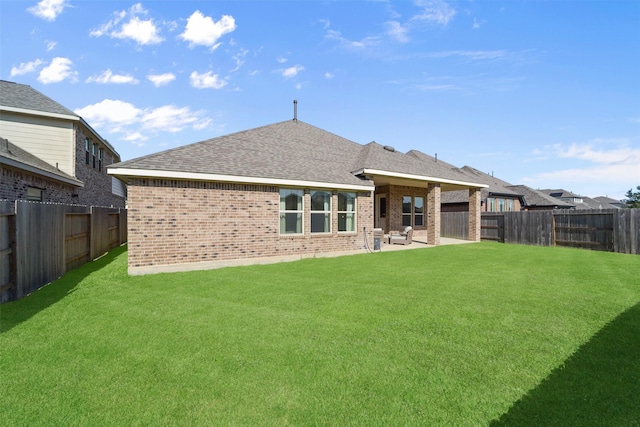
<point>474,55</point>
<point>112,112</point>
<point>207,80</point>
<point>281,59</point>
<point>434,12</point>
<point>48,9</point>
<point>58,70</point>
<point>328,75</point>
<point>161,79</point>
<point>51,45</point>
<point>397,31</point>
<point>128,25</point>
<point>599,167</point>
<point>291,72</point>
<point>108,77</point>
<point>203,30</point>
<point>26,67</point>
<point>352,44</point>
<point>239,58</point>
<point>169,118</point>
<point>120,117</point>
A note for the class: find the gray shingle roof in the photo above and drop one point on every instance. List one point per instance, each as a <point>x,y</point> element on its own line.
<point>290,150</point>
<point>17,157</point>
<point>536,198</point>
<point>17,95</point>
<point>585,203</point>
<point>495,186</point>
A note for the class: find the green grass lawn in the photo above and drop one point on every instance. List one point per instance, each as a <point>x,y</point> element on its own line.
<point>481,334</point>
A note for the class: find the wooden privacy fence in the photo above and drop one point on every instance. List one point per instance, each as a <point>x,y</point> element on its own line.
<point>615,230</point>
<point>39,242</point>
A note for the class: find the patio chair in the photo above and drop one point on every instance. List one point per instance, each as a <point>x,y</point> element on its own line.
<point>403,238</point>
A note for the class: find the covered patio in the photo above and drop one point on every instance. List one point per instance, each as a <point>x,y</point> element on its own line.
<point>403,200</point>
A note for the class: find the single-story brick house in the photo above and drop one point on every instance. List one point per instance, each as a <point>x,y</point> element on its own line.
<point>279,192</point>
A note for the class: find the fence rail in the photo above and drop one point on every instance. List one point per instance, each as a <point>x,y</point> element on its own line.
<point>615,230</point>
<point>39,242</point>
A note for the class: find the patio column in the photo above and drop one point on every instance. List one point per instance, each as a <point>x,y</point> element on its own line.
<point>474,214</point>
<point>433,214</point>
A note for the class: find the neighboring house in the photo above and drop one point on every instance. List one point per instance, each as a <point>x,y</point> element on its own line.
<point>580,202</point>
<point>278,192</point>
<point>33,126</point>
<point>498,196</point>
<point>533,200</point>
<point>25,176</point>
<point>608,201</point>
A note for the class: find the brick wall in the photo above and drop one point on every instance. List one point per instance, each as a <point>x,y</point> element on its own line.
<point>14,183</point>
<point>175,222</point>
<point>97,184</point>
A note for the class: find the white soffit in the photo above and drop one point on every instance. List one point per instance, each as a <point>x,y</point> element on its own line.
<point>401,175</point>
<point>194,176</point>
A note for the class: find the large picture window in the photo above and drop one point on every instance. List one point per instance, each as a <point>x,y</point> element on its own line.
<point>320,212</point>
<point>346,211</point>
<point>291,210</point>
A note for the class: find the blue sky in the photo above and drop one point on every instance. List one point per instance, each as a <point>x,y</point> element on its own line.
<point>542,93</point>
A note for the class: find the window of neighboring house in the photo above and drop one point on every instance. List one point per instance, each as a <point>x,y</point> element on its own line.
<point>34,194</point>
<point>346,211</point>
<point>99,159</point>
<point>86,150</point>
<point>501,205</point>
<point>492,205</point>
<point>291,210</point>
<point>418,211</point>
<point>406,211</point>
<point>94,149</point>
<point>320,212</point>
<point>510,205</point>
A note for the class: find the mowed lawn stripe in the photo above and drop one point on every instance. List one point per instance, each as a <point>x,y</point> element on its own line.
<point>453,335</point>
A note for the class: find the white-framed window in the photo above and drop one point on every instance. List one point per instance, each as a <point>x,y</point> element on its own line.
<point>291,211</point>
<point>34,194</point>
<point>501,203</point>
<point>100,152</point>
<point>412,211</point>
<point>346,212</point>
<point>94,152</point>
<point>510,205</point>
<point>406,210</point>
<point>492,205</point>
<point>320,212</point>
<point>418,211</point>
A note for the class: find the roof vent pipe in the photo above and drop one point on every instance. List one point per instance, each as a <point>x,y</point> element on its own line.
<point>436,157</point>
<point>389,148</point>
<point>295,110</point>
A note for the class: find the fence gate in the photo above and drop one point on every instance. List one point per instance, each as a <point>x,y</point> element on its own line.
<point>584,230</point>
<point>492,227</point>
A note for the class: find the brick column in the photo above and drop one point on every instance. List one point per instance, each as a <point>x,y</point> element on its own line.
<point>433,214</point>
<point>474,214</point>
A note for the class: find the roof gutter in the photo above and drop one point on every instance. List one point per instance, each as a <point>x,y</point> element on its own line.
<point>417,177</point>
<point>196,176</point>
